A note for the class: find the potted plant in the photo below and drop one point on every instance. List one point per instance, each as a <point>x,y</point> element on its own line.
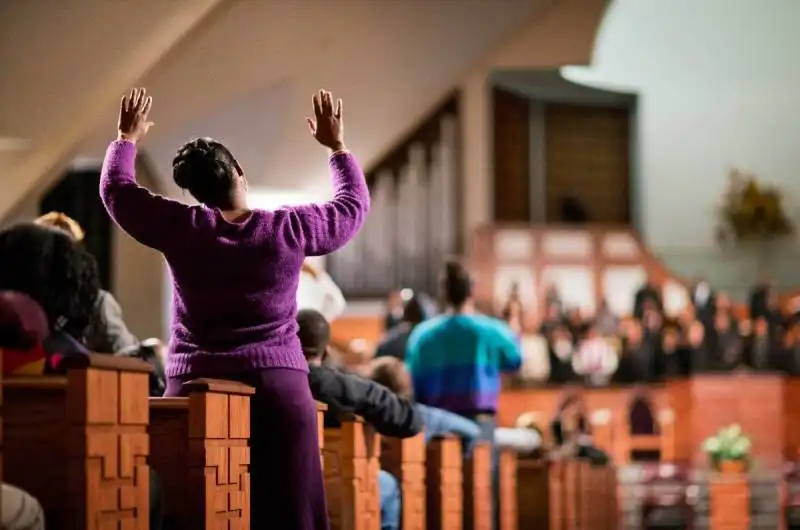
<point>729,449</point>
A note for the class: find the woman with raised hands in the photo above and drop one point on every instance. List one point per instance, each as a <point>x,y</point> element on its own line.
<point>235,272</point>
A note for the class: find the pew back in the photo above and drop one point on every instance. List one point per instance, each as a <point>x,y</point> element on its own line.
<point>79,443</point>
<point>351,460</point>
<point>200,449</point>
<point>444,495</point>
<point>405,460</point>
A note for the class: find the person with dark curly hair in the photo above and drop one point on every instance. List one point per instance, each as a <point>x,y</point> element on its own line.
<point>235,273</point>
<point>59,274</point>
<point>107,332</point>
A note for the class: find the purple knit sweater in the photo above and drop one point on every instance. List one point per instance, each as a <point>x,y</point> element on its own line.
<point>234,284</point>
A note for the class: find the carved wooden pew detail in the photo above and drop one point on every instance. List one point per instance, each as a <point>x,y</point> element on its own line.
<point>507,503</point>
<point>477,483</point>
<point>321,408</point>
<point>351,463</point>
<point>200,450</point>
<point>405,459</point>
<point>443,478</point>
<point>80,444</point>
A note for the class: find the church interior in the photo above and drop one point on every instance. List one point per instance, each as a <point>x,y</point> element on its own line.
<point>563,292</point>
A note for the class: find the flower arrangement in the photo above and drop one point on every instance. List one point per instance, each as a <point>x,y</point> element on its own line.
<point>752,211</point>
<point>729,444</point>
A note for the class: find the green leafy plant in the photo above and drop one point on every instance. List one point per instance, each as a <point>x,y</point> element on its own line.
<point>728,444</point>
<point>752,210</point>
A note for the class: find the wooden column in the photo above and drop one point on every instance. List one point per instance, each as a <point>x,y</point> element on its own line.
<point>729,499</point>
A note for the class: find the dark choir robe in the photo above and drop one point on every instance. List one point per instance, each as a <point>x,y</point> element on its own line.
<point>704,301</point>
<point>725,348</point>
<point>637,364</point>
<point>791,359</point>
<point>698,357</point>
<point>646,293</point>
<point>758,300</point>
<point>560,363</point>
<point>763,353</point>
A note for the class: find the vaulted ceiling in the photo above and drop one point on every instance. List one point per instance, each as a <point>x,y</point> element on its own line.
<point>239,70</point>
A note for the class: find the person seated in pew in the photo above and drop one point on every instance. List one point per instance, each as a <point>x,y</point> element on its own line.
<point>572,436</point>
<point>22,325</point>
<point>417,309</point>
<point>393,374</point>
<point>389,414</point>
<point>235,271</point>
<point>317,290</point>
<point>31,348</point>
<point>107,331</point>
<point>61,277</point>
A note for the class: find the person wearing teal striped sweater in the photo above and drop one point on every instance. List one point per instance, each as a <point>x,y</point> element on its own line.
<point>455,360</point>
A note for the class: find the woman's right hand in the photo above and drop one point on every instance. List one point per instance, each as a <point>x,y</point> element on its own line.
<point>327,126</point>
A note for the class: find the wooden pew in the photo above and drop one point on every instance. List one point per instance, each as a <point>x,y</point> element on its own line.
<point>79,443</point>
<point>507,504</point>
<point>477,484</point>
<point>405,460</point>
<point>200,450</point>
<point>321,408</point>
<point>443,484</point>
<point>536,507</point>
<point>351,463</point>
<point>581,496</point>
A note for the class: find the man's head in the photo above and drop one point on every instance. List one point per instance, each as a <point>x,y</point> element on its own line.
<point>392,373</point>
<point>418,309</point>
<point>314,333</point>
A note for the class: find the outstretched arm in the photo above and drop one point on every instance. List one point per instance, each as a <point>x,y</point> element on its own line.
<point>324,228</point>
<point>150,219</point>
<point>387,412</point>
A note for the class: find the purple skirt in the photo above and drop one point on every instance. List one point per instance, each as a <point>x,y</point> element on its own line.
<point>287,491</point>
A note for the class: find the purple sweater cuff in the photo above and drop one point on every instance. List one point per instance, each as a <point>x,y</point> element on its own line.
<point>120,162</point>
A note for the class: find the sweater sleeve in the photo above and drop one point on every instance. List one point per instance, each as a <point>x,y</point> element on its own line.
<point>324,228</point>
<point>150,219</point>
<point>390,414</point>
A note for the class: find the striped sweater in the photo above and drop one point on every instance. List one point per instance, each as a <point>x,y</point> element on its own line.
<point>455,362</point>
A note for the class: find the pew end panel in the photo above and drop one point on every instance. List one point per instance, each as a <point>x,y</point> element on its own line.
<point>507,503</point>
<point>200,448</point>
<point>533,489</point>
<point>80,443</point>
<point>443,484</point>
<point>405,460</point>
<point>351,464</point>
<point>478,492</point>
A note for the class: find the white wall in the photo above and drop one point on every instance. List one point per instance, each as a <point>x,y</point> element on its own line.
<point>717,81</point>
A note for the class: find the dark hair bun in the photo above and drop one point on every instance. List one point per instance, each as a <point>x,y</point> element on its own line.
<point>206,169</point>
<point>456,283</point>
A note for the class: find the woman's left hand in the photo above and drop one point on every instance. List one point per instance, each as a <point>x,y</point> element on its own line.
<point>133,112</point>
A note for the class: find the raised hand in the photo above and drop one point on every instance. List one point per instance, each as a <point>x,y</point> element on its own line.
<point>327,126</point>
<point>133,111</point>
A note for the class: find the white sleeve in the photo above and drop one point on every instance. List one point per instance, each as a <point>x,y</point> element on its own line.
<point>333,300</point>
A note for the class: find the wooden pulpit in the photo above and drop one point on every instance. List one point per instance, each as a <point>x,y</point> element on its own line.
<point>706,403</point>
